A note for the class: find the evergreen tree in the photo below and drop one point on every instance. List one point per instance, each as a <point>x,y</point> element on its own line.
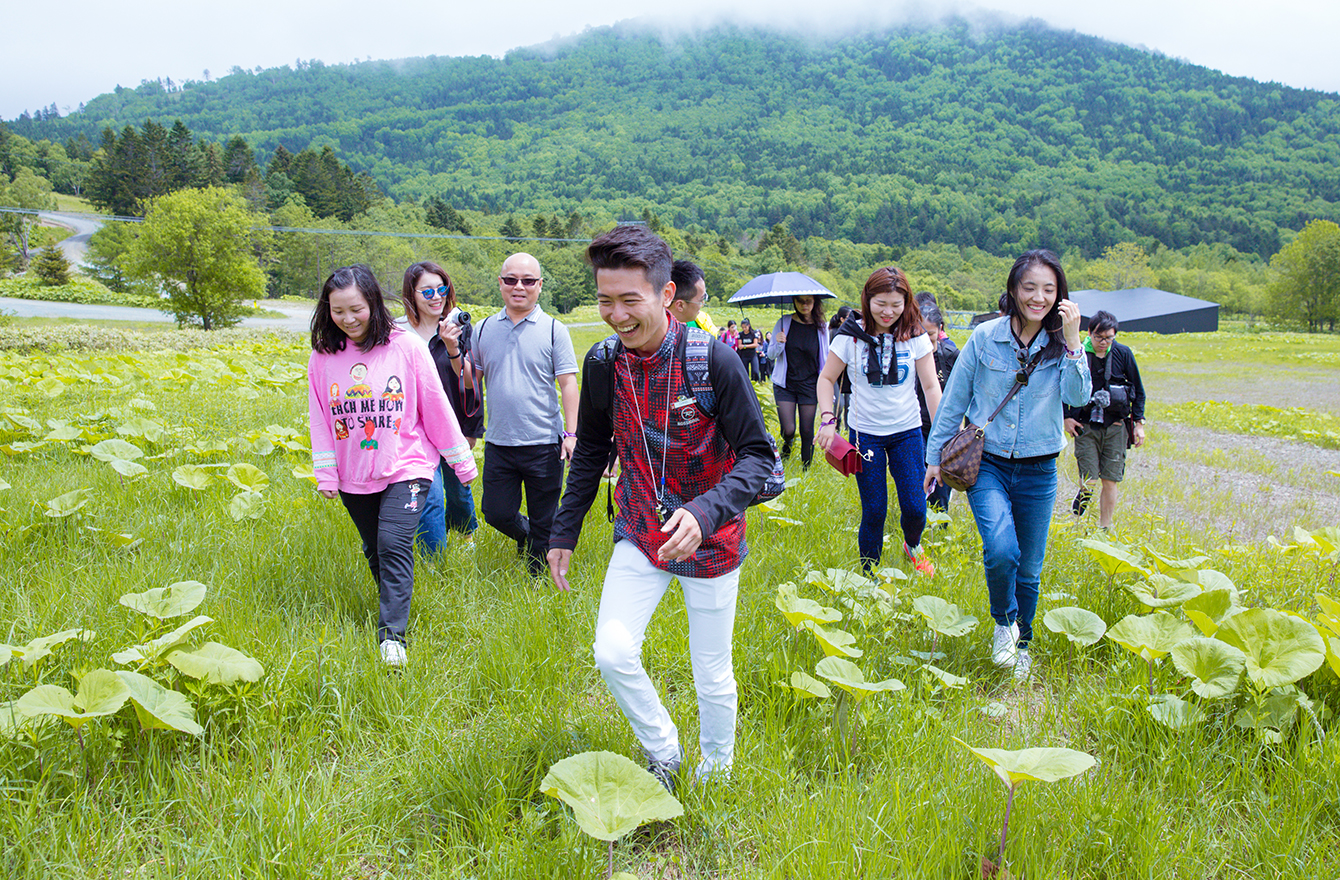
<point>511,229</point>
<point>52,266</point>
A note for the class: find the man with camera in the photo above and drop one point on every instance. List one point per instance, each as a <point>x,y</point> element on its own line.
<point>520,353</point>
<point>1112,422</point>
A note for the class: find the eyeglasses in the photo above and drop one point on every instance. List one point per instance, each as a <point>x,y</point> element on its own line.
<point>512,281</point>
<point>1103,337</point>
<point>434,292</point>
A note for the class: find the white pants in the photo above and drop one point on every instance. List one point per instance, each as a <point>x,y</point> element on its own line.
<point>633,589</point>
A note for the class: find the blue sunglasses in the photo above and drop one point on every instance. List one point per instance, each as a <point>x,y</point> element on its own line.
<point>434,292</point>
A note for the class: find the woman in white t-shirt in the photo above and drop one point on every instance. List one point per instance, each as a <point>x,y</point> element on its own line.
<point>884,352</point>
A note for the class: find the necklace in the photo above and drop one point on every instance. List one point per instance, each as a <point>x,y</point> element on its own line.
<point>661,513</point>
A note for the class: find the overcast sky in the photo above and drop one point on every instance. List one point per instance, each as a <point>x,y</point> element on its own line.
<point>78,49</point>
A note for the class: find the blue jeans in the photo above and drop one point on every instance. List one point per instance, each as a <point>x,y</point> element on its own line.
<point>1012,504</point>
<point>904,454</point>
<point>460,502</point>
<point>432,531</point>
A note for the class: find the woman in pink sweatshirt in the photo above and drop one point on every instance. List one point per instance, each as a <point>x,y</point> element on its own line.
<point>379,421</point>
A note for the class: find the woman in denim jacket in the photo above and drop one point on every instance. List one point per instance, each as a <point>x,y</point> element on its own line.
<point>1016,487</point>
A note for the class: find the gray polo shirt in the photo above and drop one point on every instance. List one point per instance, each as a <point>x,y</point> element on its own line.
<point>520,363</point>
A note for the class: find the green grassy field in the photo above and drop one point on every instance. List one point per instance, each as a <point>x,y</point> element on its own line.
<point>333,766</point>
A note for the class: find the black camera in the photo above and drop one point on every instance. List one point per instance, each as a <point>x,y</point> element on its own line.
<point>461,318</point>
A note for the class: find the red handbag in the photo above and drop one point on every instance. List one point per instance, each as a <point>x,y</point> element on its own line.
<point>844,457</point>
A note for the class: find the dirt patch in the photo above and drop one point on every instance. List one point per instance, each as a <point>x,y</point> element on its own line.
<point>1308,387</point>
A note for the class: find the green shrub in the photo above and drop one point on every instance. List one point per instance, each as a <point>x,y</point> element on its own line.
<point>77,290</point>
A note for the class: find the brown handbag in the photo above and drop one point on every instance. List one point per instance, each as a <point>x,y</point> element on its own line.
<point>961,455</point>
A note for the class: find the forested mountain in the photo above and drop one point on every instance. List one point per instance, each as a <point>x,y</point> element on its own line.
<point>999,138</point>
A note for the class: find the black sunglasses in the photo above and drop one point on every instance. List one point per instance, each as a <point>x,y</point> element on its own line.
<point>1025,365</point>
<point>511,281</point>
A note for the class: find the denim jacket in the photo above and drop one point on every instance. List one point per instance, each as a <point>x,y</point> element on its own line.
<point>1030,424</point>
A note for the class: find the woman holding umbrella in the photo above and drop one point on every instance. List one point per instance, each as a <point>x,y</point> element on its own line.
<point>799,348</point>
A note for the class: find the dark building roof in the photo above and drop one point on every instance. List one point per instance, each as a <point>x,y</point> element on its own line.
<point>1144,309</point>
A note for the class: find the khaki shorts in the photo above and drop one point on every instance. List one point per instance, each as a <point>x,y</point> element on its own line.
<point>1101,452</point>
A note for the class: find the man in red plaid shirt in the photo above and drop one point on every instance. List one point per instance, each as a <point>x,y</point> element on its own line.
<point>687,477</point>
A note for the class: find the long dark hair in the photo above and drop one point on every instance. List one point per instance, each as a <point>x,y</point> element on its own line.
<point>816,313</point>
<point>890,279</point>
<point>1051,322</point>
<point>327,337</point>
<point>411,283</point>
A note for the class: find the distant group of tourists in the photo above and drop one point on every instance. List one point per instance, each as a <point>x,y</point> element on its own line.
<point>396,411</point>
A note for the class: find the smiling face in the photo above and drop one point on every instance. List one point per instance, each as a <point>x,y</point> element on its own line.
<point>1034,296</point>
<point>633,308</point>
<point>350,312</point>
<point>886,309</point>
<point>430,309</point>
<point>517,298</point>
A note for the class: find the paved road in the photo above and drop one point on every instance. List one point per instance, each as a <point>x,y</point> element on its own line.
<point>298,317</point>
<point>76,246</point>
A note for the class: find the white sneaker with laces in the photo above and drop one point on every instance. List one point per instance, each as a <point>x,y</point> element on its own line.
<point>393,653</point>
<point>1023,664</point>
<point>1003,645</point>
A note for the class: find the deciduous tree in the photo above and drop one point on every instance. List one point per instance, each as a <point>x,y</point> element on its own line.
<point>1307,278</point>
<point>199,246</point>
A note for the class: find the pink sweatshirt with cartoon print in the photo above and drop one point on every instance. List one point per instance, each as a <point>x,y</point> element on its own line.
<point>381,417</point>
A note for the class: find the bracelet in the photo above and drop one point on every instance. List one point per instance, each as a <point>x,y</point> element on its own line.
<point>569,434</point>
<point>454,357</point>
<point>827,423</point>
<point>1072,353</point>
<point>825,413</point>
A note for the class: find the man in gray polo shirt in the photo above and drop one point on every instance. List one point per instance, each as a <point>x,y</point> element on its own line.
<point>521,352</point>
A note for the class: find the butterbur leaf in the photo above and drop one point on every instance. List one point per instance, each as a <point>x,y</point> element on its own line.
<point>798,609</point>
<point>13,718</point>
<point>23,421</point>
<point>834,642</point>
<point>128,469</point>
<point>1161,591</point>
<point>1210,609</point>
<point>164,603</point>
<point>217,664</point>
<point>848,676</point>
<point>609,794</point>
<point>1037,765</point>
<point>1280,648</point>
<point>948,679</point>
<point>1165,563</point>
<point>305,472</point>
<point>1215,666</point>
<point>159,646</point>
<point>1113,559</point>
<point>67,504</point>
<point>51,387</point>
<point>158,708</point>
<point>1174,712</point>
<point>1080,625</point>
<point>62,432</point>
<point>139,426</point>
<point>1150,636</point>
<point>100,693</point>
<point>192,477</point>
<point>246,505</point>
<point>41,647</point>
<point>808,686</point>
<point>839,580</point>
<point>248,477</point>
<point>110,450</point>
<point>1332,652</point>
<point>943,617</point>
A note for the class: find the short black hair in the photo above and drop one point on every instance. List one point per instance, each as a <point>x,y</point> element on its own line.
<point>933,316</point>
<point>327,337</point>
<point>1102,322</point>
<point>685,274</point>
<point>632,246</point>
<point>925,300</point>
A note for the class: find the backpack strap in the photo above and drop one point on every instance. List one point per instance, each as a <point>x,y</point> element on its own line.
<point>695,355</point>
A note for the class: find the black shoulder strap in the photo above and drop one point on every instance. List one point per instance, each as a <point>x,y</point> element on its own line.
<point>1107,366</point>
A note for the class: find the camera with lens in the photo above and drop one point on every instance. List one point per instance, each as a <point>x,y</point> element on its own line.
<point>461,318</point>
<point>1100,400</point>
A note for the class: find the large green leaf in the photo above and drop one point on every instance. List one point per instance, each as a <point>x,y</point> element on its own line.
<point>139,426</point>
<point>609,794</point>
<point>1113,559</point>
<point>1174,712</point>
<point>100,693</point>
<point>840,580</point>
<point>128,469</point>
<point>116,448</point>
<point>1080,625</point>
<point>246,505</point>
<point>834,642</point>
<point>13,718</point>
<point>164,603</point>
<point>948,679</point>
<point>944,617</point>
<point>217,664</point>
<point>62,431</point>
<point>797,609</point>
<point>248,477</point>
<point>161,645</point>
<point>158,708</point>
<point>1280,648</point>
<point>808,686</point>
<point>1165,563</point>
<point>41,647</point>
<point>1151,636</point>
<point>1161,591</point>
<point>1032,765</point>
<point>192,477</point>
<point>1211,608</point>
<point>848,676</point>
<point>1215,666</point>
<point>70,502</point>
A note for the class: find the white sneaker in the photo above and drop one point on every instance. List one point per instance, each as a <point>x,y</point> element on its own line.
<point>1023,664</point>
<point>1003,645</point>
<point>393,653</point>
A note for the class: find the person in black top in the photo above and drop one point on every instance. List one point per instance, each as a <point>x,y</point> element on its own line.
<point>749,341</point>
<point>1113,421</point>
<point>799,348</point>
<point>946,355</point>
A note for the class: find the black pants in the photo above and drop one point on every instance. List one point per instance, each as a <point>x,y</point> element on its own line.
<point>507,469</point>
<point>387,521</point>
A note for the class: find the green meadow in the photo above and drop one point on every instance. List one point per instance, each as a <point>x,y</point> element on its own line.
<point>330,765</point>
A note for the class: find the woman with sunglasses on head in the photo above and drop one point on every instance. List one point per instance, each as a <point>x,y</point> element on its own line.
<point>886,353</point>
<point>799,348</point>
<point>1035,344</point>
<point>430,301</point>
